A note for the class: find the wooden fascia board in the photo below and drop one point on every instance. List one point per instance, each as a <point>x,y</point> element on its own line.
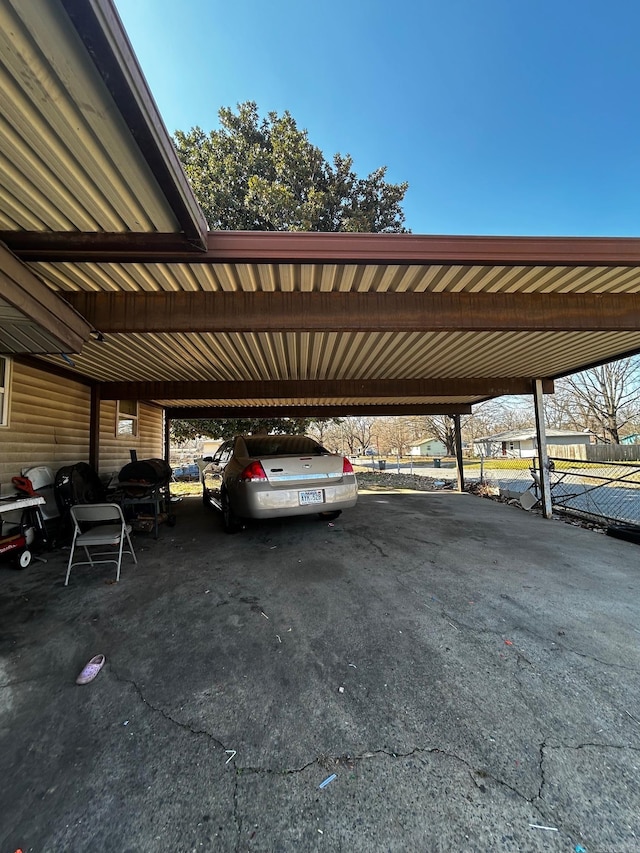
<point>392,389</point>
<point>59,246</point>
<point>318,248</point>
<point>99,26</point>
<point>332,312</point>
<point>25,292</point>
<point>305,247</point>
<point>320,411</point>
<point>54,369</point>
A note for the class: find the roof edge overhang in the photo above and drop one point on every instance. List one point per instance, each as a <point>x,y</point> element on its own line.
<point>322,410</point>
<point>99,27</point>
<point>36,305</point>
<point>305,247</point>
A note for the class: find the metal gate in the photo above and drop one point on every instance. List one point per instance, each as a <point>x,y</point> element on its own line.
<point>602,491</point>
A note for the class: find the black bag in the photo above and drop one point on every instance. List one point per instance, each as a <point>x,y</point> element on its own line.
<point>77,484</point>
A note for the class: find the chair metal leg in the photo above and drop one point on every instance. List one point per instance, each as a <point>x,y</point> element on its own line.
<point>133,553</point>
<point>66,580</point>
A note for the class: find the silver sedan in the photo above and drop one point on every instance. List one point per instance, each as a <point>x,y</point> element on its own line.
<point>268,476</point>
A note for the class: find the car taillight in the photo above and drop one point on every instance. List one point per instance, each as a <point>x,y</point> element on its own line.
<point>347,467</point>
<point>253,471</point>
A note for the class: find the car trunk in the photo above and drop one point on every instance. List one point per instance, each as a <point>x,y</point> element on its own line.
<point>302,471</point>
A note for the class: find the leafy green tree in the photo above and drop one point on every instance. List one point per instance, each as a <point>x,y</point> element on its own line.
<point>183,430</point>
<point>263,174</point>
<point>256,174</point>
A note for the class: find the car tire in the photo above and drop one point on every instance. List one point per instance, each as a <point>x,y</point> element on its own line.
<point>205,497</point>
<point>330,514</point>
<point>230,521</point>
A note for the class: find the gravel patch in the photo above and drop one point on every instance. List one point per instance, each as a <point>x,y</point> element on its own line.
<point>416,482</point>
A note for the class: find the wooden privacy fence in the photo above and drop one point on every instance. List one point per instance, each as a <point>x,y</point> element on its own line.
<point>596,452</point>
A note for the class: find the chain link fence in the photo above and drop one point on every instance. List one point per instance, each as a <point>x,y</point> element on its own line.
<point>601,491</point>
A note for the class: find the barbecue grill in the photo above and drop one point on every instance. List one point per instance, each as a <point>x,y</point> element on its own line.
<point>143,493</point>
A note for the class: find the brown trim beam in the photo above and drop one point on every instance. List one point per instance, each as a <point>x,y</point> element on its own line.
<point>301,389</point>
<point>341,248</point>
<point>298,247</point>
<point>328,312</point>
<point>319,411</point>
<point>96,246</point>
<point>54,369</point>
<point>26,293</point>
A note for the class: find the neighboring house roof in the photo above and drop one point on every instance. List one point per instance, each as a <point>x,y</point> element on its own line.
<point>634,438</point>
<point>429,440</point>
<point>529,434</point>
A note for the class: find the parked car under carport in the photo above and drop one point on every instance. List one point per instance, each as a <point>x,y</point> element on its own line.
<point>271,476</point>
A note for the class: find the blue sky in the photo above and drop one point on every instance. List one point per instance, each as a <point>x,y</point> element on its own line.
<point>505,116</point>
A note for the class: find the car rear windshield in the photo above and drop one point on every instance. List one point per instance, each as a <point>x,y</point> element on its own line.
<point>282,445</point>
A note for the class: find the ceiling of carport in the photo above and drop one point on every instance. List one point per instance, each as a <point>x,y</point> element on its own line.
<point>94,205</point>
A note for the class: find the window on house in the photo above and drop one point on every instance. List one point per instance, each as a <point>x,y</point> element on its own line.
<point>5,382</point>
<point>127,420</point>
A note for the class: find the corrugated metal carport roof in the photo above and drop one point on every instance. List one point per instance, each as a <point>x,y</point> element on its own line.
<point>94,205</point>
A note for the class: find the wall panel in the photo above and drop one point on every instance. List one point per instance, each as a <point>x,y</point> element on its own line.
<point>115,450</point>
<point>48,423</point>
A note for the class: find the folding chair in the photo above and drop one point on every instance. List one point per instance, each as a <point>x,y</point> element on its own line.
<point>99,524</point>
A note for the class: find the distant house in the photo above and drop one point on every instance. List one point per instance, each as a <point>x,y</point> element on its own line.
<point>634,438</point>
<point>428,447</point>
<point>523,443</point>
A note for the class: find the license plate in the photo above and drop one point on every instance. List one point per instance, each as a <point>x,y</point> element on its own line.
<point>310,496</point>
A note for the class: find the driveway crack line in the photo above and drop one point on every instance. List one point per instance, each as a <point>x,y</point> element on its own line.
<point>166,715</point>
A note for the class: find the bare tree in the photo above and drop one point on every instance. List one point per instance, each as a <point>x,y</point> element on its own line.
<point>437,426</point>
<point>395,435</point>
<point>498,415</point>
<point>606,398</point>
<point>322,429</point>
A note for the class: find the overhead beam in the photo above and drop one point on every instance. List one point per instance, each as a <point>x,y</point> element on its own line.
<point>319,411</point>
<point>31,297</point>
<point>302,389</point>
<point>342,248</point>
<point>301,312</point>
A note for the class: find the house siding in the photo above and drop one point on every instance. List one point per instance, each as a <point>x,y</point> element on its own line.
<point>49,424</point>
<point>115,450</point>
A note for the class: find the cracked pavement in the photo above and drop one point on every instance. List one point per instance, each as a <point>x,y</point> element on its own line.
<point>468,671</point>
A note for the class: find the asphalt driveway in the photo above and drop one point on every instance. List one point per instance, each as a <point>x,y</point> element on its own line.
<point>469,673</point>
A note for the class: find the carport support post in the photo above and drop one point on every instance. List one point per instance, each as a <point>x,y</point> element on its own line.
<point>167,437</point>
<point>541,436</point>
<point>460,465</point>
<point>94,428</point>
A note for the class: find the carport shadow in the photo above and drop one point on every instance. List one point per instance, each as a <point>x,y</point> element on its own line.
<point>420,642</point>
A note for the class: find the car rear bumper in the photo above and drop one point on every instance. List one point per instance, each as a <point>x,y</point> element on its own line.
<point>271,503</point>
